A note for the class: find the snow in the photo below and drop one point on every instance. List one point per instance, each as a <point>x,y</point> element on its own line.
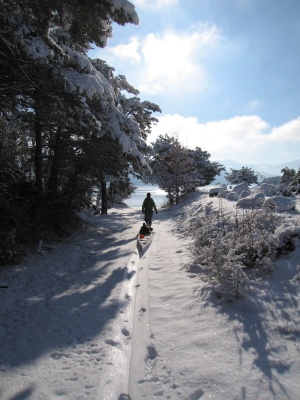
<point>268,189</point>
<point>128,9</point>
<point>280,203</point>
<point>255,200</point>
<point>95,318</point>
<point>240,188</point>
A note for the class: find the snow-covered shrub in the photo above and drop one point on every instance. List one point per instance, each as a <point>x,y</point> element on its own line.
<point>289,182</point>
<point>282,189</point>
<point>255,200</point>
<point>268,189</point>
<point>226,246</point>
<point>286,236</point>
<point>280,203</point>
<point>223,194</point>
<point>255,245</point>
<point>232,196</point>
<point>239,188</point>
<point>245,193</point>
<point>234,281</point>
<point>214,192</point>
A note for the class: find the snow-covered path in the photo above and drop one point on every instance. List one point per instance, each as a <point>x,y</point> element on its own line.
<point>96,319</point>
<point>58,315</point>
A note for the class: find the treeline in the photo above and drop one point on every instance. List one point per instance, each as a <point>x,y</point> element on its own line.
<point>67,123</point>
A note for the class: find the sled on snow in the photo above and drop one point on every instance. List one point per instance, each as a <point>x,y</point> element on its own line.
<point>144,240</point>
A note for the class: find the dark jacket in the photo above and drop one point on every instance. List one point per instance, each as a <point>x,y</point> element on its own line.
<point>148,205</point>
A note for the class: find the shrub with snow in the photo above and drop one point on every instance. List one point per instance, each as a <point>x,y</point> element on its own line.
<point>228,247</point>
<point>232,196</point>
<point>268,189</point>
<point>239,188</point>
<point>223,194</point>
<point>245,193</point>
<point>255,200</point>
<point>280,203</point>
<point>214,192</point>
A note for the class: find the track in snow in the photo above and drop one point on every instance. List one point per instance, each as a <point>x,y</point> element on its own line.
<point>130,331</point>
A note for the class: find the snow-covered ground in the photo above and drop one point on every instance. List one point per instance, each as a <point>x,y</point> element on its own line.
<point>94,318</point>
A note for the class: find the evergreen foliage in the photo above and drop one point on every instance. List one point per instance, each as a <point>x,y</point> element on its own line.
<point>289,182</point>
<point>66,123</point>
<point>243,175</point>
<point>119,190</point>
<point>179,170</point>
<point>273,180</point>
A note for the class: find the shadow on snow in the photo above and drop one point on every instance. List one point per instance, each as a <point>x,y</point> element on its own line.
<point>69,303</point>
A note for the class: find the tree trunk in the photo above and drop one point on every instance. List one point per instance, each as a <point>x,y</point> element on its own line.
<point>177,195</point>
<point>171,198</point>
<point>104,198</point>
<point>110,196</point>
<point>38,159</point>
<point>98,197</point>
<point>53,179</point>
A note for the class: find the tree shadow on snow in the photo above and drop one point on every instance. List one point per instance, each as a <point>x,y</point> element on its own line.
<point>56,308</point>
<point>257,320</point>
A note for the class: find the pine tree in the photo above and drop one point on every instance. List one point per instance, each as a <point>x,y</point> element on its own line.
<point>67,123</point>
<point>179,170</point>
<point>243,175</point>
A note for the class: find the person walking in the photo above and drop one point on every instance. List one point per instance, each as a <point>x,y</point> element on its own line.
<point>148,207</point>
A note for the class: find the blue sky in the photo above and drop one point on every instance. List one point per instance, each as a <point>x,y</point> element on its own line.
<point>226,73</point>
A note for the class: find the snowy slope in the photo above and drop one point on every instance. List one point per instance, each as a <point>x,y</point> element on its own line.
<point>94,318</point>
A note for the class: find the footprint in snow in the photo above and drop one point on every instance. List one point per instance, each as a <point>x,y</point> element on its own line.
<point>142,310</point>
<point>112,342</point>
<point>125,332</point>
<point>124,396</point>
<point>151,352</point>
<point>196,394</point>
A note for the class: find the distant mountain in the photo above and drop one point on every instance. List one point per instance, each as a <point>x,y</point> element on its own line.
<point>265,170</point>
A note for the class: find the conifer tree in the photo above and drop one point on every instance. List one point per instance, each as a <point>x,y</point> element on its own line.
<point>243,175</point>
<point>69,123</point>
<point>179,170</point>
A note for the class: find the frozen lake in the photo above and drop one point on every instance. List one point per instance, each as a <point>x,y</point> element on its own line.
<point>136,200</point>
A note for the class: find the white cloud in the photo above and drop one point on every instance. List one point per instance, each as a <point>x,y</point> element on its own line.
<point>246,139</point>
<point>128,51</point>
<point>287,132</point>
<point>166,63</point>
<point>171,60</point>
